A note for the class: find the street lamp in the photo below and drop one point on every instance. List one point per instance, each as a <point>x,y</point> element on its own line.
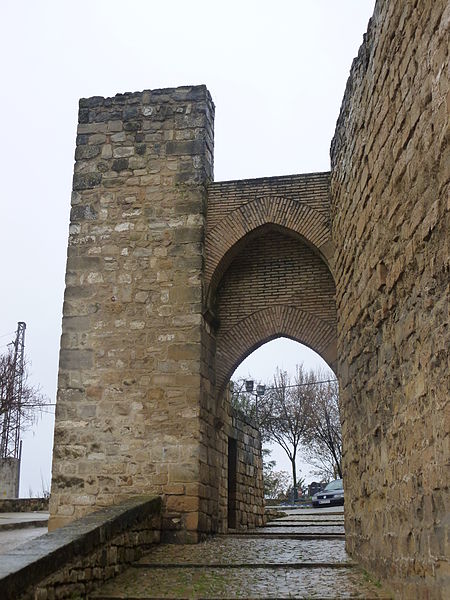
<point>260,391</point>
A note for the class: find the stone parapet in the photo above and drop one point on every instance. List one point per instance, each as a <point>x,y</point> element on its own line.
<point>77,558</point>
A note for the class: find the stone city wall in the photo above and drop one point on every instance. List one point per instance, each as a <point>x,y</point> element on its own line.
<point>390,224</point>
<point>267,243</point>
<point>241,502</point>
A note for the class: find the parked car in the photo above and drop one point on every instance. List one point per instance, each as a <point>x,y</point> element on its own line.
<point>331,495</point>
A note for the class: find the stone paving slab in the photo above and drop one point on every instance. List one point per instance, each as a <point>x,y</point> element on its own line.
<point>237,551</point>
<point>326,583</point>
<point>17,528</point>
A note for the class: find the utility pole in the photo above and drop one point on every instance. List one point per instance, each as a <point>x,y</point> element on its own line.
<point>10,445</point>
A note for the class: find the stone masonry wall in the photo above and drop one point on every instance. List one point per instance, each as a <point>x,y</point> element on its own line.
<point>250,486</point>
<point>219,423</point>
<point>128,418</point>
<point>24,505</point>
<point>390,223</point>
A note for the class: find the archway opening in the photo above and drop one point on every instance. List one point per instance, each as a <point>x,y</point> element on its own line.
<point>315,463</point>
<point>269,282</point>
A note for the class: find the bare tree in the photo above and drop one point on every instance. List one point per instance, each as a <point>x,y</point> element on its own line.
<point>300,415</point>
<point>323,436</point>
<point>284,413</point>
<point>19,405</point>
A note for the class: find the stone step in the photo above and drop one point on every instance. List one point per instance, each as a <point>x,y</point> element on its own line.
<point>308,521</point>
<point>284,560</point>
<point>264,565</point>
<point>24,524</point>
<point>310,531</point>
<point>236,582</point>
<point>297,524</point>
<point>22,520</point>
<point>291,536</point>
<point>311,512</point>
<point>311,519</point>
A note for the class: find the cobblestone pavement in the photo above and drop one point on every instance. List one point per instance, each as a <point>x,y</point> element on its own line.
<point>233,551</point>
<point>250,565</point>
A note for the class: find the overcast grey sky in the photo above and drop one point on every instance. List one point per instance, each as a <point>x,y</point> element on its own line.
<point>276,72</point>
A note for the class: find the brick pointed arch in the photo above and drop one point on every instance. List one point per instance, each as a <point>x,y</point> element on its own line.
<point>267,324</point>
<point>287,213</point>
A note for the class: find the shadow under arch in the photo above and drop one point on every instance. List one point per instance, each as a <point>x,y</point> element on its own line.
<point>240,246</point>
<point>231,234</point>
<point>268,324</point>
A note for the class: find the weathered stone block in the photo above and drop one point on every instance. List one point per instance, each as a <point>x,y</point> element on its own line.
<point>85,181</point>
<point>180,148</point>
<point>74,360</point>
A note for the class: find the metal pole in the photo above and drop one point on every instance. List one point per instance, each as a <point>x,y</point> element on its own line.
<point>10,439</point>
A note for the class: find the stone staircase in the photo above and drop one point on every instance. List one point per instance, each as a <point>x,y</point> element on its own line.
<point>301,555</point>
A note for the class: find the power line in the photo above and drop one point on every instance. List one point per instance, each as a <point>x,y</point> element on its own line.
<point>5,334</point>
<point>292,385</point>
<point>275,387</point>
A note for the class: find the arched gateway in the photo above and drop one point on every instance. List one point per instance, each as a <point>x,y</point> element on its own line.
<point>172,280</point>
<point>267,266</point>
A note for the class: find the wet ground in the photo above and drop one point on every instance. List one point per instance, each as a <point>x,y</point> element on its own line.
<point>301,555</point>
<point>19,528</point>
